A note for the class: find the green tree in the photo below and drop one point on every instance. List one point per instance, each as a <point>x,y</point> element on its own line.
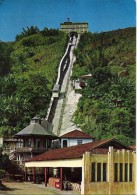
<point>5,60</point>
<point>27,32</point>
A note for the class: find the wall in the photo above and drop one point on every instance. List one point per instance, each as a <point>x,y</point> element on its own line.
<point>113,183</point>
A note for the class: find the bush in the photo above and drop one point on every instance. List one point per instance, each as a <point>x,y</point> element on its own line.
<point>2,173</point>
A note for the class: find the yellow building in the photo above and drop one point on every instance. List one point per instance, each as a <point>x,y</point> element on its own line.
<point>111,173</point>
<point>79,27</point>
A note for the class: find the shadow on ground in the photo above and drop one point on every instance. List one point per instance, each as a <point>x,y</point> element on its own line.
<point>4,188</point>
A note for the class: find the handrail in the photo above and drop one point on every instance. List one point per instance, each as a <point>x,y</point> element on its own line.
<point>29,149</point>
<point>61,62</point>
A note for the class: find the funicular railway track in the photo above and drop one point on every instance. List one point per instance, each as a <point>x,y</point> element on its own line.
<point>64,66</point>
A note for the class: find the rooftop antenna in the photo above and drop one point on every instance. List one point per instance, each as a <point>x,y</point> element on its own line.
<point>68,19</point>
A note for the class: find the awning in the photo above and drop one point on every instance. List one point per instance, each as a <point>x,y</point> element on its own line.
<point>56,163</point>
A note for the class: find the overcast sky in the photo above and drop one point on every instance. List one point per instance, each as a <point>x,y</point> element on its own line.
<point>102,15</point>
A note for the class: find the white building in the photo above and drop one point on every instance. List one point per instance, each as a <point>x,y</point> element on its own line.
<point>75,137</point>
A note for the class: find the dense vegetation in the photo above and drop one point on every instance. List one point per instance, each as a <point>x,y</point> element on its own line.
<point>107,106</point>
<point>28,70</point>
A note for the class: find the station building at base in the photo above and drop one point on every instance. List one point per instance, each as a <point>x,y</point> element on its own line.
<point>101,167</point>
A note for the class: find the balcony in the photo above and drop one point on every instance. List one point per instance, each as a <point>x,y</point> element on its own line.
<point>8,150</point>
<point>30,149</point>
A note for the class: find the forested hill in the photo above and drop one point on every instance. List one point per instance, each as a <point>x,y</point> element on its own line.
<point>28,71</point>
<point>107,106</point>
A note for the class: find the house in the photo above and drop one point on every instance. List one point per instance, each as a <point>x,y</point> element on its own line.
<point>36,138</point>
<point>101,167</point>
<point>75,137</point>
<point>9,145</point>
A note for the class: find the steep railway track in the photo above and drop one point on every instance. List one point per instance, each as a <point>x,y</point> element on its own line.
<point>57,101</point>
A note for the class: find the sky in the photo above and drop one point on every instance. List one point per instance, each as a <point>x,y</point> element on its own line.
<point>102,15</point>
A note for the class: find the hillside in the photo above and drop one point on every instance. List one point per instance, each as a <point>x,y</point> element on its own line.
<point>107,106</point>
<point>28,72</point>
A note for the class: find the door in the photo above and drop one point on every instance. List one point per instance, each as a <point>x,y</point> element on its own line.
<point>65,143</point>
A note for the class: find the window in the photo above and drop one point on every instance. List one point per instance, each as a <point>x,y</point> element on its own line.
<point>130,172</point>
<point>116,172</point>
<point>65,143</point>
<point>37,143</point>
<point>126,171</point>
<point>93,172</point>
<point>19,144</point>
<point>96,171</point>
<point>48,143</point>
<point>104,171</point>
<point>29,142</point>
<point>121,171</point>
<point>79,141</point>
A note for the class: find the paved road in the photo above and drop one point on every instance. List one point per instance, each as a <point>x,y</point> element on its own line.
<point>27,188</point>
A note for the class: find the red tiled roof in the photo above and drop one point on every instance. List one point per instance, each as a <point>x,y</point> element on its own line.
<point>77,134</point>
<point>77,151</point>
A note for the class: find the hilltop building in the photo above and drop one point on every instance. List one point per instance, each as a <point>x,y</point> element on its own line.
<point>79,27</point>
